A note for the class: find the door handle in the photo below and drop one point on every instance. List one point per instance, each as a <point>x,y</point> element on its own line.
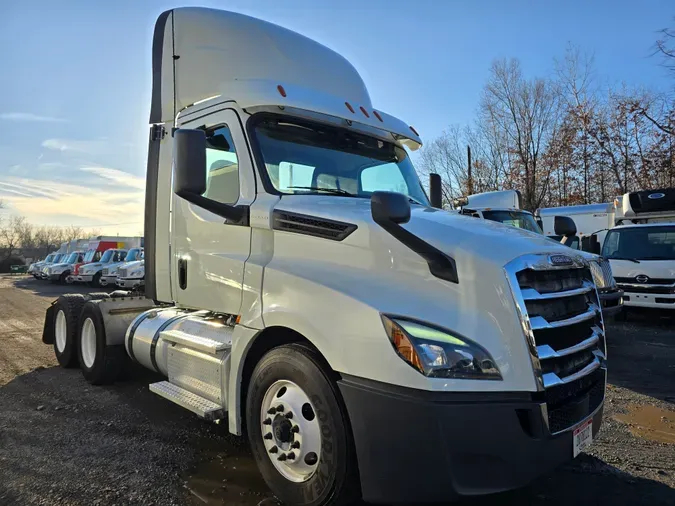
<point>182,273</point>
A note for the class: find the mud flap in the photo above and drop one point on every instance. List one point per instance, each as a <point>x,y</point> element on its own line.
<point>48,330</point>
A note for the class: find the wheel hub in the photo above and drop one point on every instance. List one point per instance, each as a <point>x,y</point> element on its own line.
<point>290,431</point>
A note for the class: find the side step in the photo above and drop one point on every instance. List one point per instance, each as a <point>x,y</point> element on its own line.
<point>198,405</point>
<point>204,344</point>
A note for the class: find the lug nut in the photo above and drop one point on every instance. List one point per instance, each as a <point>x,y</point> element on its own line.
<point>295,429</point>
<point>274,449</point>
<point>267,421</point>
<point>296,444</point>
<point>280,408</point>
<point>289,415</point>
<point>271,411</point>
<point>268,435</point>
<point>282,457</point>
<point>291,456</point>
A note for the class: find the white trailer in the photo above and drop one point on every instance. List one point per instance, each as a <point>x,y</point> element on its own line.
<point>370,344</point>
<point>641,249</point>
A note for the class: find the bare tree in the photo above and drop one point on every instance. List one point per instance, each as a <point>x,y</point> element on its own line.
<point>10,234</point>
<point>525,113</point>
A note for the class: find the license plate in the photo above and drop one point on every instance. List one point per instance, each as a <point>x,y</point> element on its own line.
<point>583,437</point>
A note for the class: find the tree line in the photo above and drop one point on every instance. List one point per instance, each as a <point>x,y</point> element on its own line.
<point>16,232</point>
<point>560,139</point>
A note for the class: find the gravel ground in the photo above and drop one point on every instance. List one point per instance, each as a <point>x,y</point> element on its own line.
<point>65,442</point>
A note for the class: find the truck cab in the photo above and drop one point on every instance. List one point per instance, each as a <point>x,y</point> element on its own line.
<point>59,272</point>
<point>641,249</point>
<point>310,292</point>
<point>110,271</point>
<point>36,268</point>
<point>93,272</point>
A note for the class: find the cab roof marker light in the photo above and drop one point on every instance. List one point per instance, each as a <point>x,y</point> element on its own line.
<point>349,106</point>
<point>365,113</point>
<point>377,115</point>
<point>412,129</point>
<point>281,90</point>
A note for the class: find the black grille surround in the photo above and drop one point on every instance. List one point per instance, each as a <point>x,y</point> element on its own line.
<point>311,225</point>
<point>565,333</point>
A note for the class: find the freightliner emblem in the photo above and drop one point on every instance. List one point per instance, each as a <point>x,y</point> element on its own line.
<point>560,260</point>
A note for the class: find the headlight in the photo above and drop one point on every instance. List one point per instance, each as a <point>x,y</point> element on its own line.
<point>602,273</point>
<point>136,274</point>
<point>438,353</point>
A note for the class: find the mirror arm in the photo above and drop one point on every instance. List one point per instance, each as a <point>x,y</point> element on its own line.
<point>234,215</point>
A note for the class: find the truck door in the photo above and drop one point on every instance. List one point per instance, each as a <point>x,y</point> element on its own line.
<point>208,255</point>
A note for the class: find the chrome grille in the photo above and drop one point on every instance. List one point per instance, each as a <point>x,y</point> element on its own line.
<point>562,322</point>
<point>104,272</point>
<point>121,273</point>
<point>602,273</point>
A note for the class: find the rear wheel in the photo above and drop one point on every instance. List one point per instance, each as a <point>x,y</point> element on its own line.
<point>299,431</point>
<point>66,312</point>
<point>101,364</point>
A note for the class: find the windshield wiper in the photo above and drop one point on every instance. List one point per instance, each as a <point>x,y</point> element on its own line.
<point>629,259</point>
<point>337,191</point>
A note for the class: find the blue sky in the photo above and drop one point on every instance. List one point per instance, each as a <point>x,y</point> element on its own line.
<point>74,96</point>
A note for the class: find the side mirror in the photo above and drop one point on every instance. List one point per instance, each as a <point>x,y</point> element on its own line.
<point>565,226</point>
<point>390,207</point>
<point>435,194</point>
<point>189,162</point>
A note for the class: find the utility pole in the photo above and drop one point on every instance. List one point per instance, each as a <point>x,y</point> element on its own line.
<point>469,184</point>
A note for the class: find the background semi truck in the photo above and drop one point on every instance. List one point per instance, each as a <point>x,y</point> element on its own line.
<point>370,344</point>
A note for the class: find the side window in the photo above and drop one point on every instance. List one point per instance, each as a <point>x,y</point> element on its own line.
<point>97,256</point>
<point>383,177</point>
<point>222,167</point>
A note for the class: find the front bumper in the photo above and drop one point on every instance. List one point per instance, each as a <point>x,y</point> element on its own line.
<point>650,300</point>
<point>84,278</point>
<point>611,301</point>
<point>423,447</point>
<point>129,282</point>
<point>108,280</point>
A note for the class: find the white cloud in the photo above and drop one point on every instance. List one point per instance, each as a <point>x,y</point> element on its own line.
<point>29,116</point>
<point>117,176</point>
<point>111,209</point>
<point>91,147</point>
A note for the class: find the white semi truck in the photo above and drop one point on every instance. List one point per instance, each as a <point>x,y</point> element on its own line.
<point>299,285</point>
<point>110,271</point>
<point>641,248</point>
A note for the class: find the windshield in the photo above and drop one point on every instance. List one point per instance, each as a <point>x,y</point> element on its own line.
<point>310,158</point>
<point>514,219</point>
<point>107,256</point>
<point>57,258</point>
<point>49,259</point>
<point>72,258</point>
<point>642,243</point>
<point>134,254</point>
<point>92,256</point>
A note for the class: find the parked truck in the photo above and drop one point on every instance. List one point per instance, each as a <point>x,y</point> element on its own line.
<point>370,344</point>
<point>90,271</point>
<point>60,272</point>
<point>109,272</point>
<point>131,275</point>
<point>505,207</point>
<point>641,249</point>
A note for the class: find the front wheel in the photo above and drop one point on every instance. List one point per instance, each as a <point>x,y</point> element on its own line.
<point>96,280</point>
<point>299,431</point>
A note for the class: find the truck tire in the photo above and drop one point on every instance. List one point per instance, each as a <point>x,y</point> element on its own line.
<point>299,430</point>
<point>98,295</point>
<point>101,364</point>
<point>66,314</point>
<point>96,280</point>
<point>63,277</point>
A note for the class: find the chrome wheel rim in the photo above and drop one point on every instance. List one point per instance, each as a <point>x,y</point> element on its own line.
<point>290,431</point>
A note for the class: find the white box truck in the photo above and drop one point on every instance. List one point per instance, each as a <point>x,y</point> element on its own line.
<point>641,249</point>
<point>372,345</point>
<point>590,219</point>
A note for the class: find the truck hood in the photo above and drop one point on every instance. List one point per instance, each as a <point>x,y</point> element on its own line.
<point>650,268</point>
<point>456,235</point>
<point>129,266</point>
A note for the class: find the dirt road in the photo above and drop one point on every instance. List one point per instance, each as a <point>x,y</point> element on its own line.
<point>65,442</point>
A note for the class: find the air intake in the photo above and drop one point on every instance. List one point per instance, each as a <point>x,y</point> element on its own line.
<point>312,225</point>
